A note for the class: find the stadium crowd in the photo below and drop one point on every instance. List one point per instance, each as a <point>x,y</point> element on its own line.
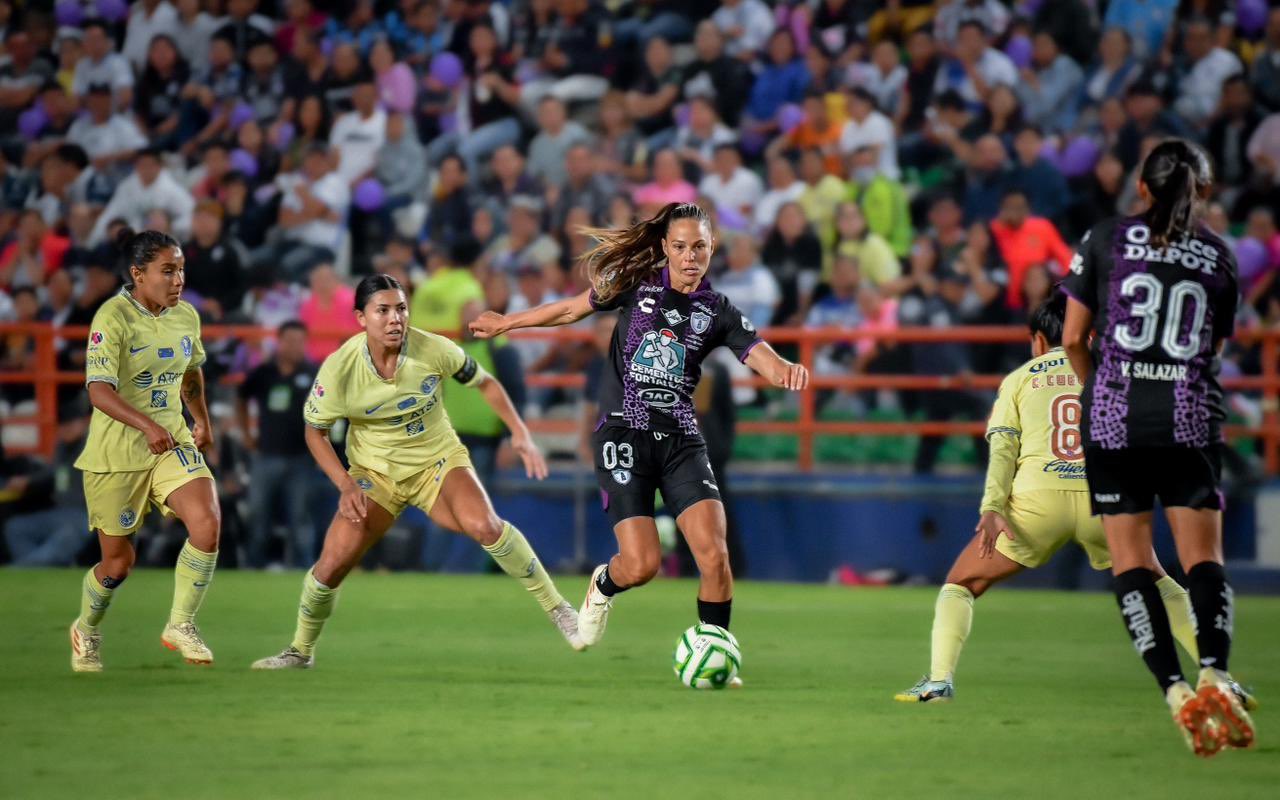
<point>868,165</point>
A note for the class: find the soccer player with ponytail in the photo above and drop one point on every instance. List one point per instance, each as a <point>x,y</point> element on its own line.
<point>647,437</point>
<point>1158,292</point>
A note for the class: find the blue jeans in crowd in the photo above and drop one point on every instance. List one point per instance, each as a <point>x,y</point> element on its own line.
<point>273,481</point>
<point>49,538</point>
<point>476,146</point>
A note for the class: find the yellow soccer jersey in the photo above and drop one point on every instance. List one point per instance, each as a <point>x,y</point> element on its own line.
<point>1039,403</point>
<point>397,426</point>
<point>144,356</point>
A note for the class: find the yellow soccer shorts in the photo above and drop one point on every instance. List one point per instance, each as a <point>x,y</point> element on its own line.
<point>419,490</point>
<point>1043,521</point>
<point>117,502</point>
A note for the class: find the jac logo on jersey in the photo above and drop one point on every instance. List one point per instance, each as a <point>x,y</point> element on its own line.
<point>699,322</point>
<point>646,304</point>
<point>673,316</point>
<point>659,398</point>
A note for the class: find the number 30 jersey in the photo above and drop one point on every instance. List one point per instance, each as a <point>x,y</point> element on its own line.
<point>1159,314</point>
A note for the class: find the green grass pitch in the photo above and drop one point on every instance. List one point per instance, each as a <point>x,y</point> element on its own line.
<point>454,687</point>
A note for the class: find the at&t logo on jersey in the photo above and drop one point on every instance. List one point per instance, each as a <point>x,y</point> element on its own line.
<point>142,380</point>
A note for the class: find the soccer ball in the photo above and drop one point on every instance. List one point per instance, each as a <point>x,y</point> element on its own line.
<point>707,657</point>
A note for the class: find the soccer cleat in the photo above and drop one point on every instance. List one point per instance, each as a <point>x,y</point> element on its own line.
<point>1199,724</point>
<point>1246,698</point>
<point>566,620</point>
<point>290,658</point>
<point>184,638</point>
<point>85,656</point>
<point>927,691</point>
<point>595,612</point>
<point>1216,695</point>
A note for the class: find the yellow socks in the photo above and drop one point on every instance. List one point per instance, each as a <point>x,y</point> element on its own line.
<point>516,557</point>
<point>313,609</point>
<point>952,618</point>
<point>94,599</point>
<point>191,577</point>
<point>1177,603</point>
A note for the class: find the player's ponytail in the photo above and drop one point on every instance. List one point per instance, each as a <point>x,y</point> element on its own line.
<point>623,257</point>
<point>1177,175</point>
<point>140,249</point>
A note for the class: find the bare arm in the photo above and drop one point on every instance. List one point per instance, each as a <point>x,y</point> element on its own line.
<point>1075,338</point>
<point>106,399</point>
<point>562,312</point>
<point>776,369</point>
<point>352,504</point>
<point>193,398</point>
<point>535,466</point>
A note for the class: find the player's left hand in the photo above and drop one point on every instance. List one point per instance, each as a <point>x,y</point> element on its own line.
<point>535,466</point>
<point>792,376</point>
<point>203,437</point>
<point>989,528</point>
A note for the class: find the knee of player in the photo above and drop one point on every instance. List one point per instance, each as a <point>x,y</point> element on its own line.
<point>116,567</point>
<point>976,584</point>
<point>204,526</point>
<point>714,561</point>
<point>486,529</point>
<point>645,565</point>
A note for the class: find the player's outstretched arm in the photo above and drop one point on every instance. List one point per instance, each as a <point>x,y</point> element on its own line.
<point>193,398</point>
<point>106,399</point>
<point>1075,338</point>
<point>548,315</point>
<point>535,466</point>
<point>776,369</point>
<point>351,505</point>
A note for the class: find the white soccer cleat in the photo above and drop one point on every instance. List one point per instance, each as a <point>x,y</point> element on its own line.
<point>566,621</point>
<point>595,612</point>
<point>85,647</point>
<point>1214,690</point>
<point>184,639</point>
<point>289,658</point>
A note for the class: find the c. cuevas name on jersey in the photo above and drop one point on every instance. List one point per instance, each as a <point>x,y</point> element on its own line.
<point>658,347</point>
<point>1159,316</point>
<point>144,356</point>
<point>1039,403</point>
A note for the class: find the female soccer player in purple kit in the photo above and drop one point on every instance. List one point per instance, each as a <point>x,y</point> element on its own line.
<point>1158,291</point>
<point>647,437</point>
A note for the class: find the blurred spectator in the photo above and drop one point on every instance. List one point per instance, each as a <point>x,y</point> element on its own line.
<point>1207,66</point>
<point>358,134</point>
<point>400,165</point>
<point>793,254</point>
<point>276,390</point>
<point>729,184</point>
<point>988,178</point>
<point>110,139</point>
<point>556,134</point>
<point>651,101</point>
<point>347,70</point>
<point>312,128</point>
<point>157,101</point>
<point>246,219</point>
<point>328,312</point>
<point>823,192</point>
<point>696,140</point>
<point>524,243</point>
<point>784,187</point>
<point>209,99</point>
<point>884,77</point>
<point>951,16</point>
<point>1147,23</point>
<point>22,76</point>
<point>1026,241</point>
<point>621,151</point>
<point>818,131</point>
<point>867,127</point>
<point>1234,122</point>
<point>147,20</point>
<point>583,187</point>
<point>149,187</point>
<point>1146,116</point>
<point>877,265</point>
<point>668,185</point>
<point>192,32</point>
<point>882,199</point>
<point>745,25</point>
<point>489,118</point>
<point>1115,70</point>
<point>922,75</point>
<point>264,83</point>
<point>33,254</point>
<point>306,73</point>
<point>1050,88</point>
<point>215,264</point>
<point>748,284</point>
<point>243,28</point>
<point>838,308</point>
<point>451,203</point>
<point>18,351</point>
<point>38,533</point>
<point>1045,187</point>
<point>312,213</point>
<point>975,67</point>
<point>576,57</point>
<point>510,178</point>
<point>448,286</point>
<point>783,80</point>
<point>724,80</point>
<point>1265,76</point>
<point>101,66</point>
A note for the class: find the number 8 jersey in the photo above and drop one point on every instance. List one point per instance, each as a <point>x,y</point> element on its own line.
<point>1159,314</point>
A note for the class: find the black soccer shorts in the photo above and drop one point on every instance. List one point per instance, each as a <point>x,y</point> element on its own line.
<point>1127,481</point>
<point>631,465</point>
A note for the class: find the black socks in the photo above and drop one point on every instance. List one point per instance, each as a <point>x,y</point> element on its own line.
<point>1213,601</point>
<point>1148,624</point>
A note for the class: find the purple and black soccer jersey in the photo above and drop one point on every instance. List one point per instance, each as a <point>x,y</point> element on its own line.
<point>658,347</point>
<point>1159,314</point>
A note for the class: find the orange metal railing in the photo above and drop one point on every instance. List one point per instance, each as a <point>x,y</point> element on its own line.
<point>46,378</point>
